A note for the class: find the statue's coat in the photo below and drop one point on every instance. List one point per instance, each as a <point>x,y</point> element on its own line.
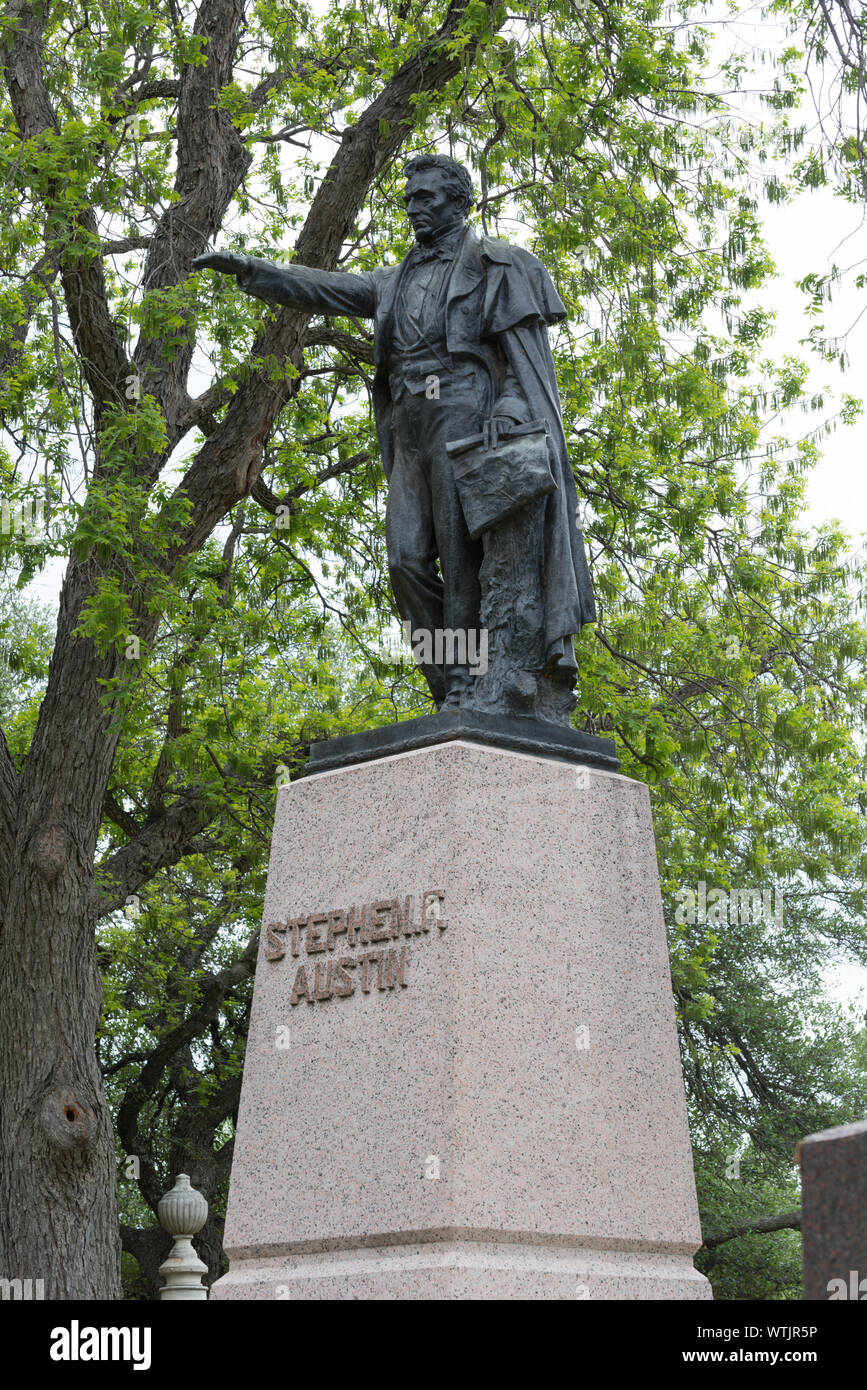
<point>495,292</point>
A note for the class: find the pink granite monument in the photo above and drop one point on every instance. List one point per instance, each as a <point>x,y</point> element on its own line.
<point>462,1078</point>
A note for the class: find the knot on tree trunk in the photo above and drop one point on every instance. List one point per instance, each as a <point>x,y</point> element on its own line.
<point>52,850</point>
<point>67,1121</point>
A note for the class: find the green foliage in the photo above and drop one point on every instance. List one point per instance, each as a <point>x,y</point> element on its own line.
<point>25,647</point>
<point>737,1185</point>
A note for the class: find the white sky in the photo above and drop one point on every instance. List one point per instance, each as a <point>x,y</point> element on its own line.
<point>815,233</point>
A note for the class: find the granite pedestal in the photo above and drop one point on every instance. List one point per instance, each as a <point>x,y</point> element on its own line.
<point>834,1221</point>
<point>462,1078</point>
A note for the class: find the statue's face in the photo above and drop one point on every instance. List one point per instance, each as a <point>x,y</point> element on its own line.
<point>429,207</point>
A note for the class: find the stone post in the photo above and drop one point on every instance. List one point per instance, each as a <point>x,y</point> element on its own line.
<point>183,1212</point>
<point>834,1221</point>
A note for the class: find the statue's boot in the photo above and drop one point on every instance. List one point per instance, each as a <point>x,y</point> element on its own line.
<point>458,682</point>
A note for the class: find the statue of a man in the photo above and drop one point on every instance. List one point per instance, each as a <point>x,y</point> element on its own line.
<point>460,338</point>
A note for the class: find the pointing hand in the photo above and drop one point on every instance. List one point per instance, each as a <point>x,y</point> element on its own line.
<point>228,262</point>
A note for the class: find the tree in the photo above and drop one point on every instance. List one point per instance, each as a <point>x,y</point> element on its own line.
<point>834,38</point>
<point>823,135</point>
<point>225,587</point>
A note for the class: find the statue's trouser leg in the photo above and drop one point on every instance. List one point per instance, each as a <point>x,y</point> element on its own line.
<point>411,544</point>
<point>424,519</point>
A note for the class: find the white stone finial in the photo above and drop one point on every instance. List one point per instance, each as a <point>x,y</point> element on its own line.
<point>183,1212</point>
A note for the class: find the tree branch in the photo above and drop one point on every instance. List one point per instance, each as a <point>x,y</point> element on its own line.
<point>215,989</point>
<point>122,819</point>
<point>159,844</point>
<point>200,410</point>
<point>127,243</point>
<point>211,162</point>
<point>789,1221</point>
<point>270,501</point>
<point>103,358</point>
<point>158,88</point>
<point>360,348</point>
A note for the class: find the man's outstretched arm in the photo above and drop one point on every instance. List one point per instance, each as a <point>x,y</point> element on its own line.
<point>296,286</point>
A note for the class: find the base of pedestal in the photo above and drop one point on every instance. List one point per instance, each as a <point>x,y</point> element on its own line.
<point>466,1270</point>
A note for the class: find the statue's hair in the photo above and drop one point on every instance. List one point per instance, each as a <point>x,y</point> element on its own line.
<point>456,179</point>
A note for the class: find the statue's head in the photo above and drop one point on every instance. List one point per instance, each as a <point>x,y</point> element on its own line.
<point>439,194</point>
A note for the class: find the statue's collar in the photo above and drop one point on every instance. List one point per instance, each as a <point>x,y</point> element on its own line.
<point>445,247</point>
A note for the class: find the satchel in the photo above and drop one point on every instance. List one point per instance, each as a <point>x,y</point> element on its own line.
<point>499,471</point>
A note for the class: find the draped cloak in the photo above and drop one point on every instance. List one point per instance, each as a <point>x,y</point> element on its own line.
<point>498,295</point>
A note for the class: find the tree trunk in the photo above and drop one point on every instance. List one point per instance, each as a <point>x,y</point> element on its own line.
<point>58,1172</point>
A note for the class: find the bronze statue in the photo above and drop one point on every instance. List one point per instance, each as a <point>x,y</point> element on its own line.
<point>462,359</point>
